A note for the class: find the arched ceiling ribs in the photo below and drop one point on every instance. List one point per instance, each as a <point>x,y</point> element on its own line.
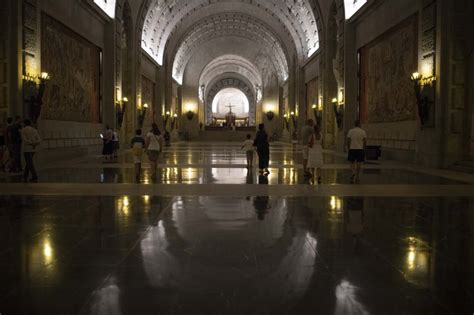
<point>230,64</point>
<point>164,16</point>
<point>230,25</point>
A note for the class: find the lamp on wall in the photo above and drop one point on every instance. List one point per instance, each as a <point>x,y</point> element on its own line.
<point>293,120</point>
<point>120,109</point>
<point>174,121</point>
<point>38,85</point>
<point>166,117</point>
<point>338,111</point>
<point>286,119</point>
<point>270,115</point>
<point>190,111</point>
<point>142,114</point>
<point>269,109</point>
<point>423,102</point>
<point>318,113</point>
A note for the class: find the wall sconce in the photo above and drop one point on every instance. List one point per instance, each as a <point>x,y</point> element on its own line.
<point>120,108</point>
<point>286,119</point>
<point>174,121</point>
<point>270,115</point>
<point>318,113</point>
<point>35,101</point>
<point>338,112</point>
<point>142,114</point>
<point>422,101</point>
<point>190,108</point>
<point>293,120</point>
<point>166,117</point>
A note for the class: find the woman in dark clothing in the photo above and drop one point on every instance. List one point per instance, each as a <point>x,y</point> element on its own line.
<point>263,149</point>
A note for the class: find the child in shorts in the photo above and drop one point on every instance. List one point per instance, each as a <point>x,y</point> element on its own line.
<point>249,148</point>
<point>138,145</point>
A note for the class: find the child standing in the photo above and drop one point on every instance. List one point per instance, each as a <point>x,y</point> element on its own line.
<point>249,148</point>
<point>138,143</point>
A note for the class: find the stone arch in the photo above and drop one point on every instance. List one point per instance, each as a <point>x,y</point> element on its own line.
<point>231,24</point>
<point>231,81</point>
<point>297,17</point>
<point>230,63</point>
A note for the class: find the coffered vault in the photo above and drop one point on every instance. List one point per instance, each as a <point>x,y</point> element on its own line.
<point>230,64</point>
<point>230,25</point>
<point>164,17</point>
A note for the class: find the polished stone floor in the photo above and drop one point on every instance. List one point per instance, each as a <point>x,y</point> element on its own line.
<point>205,239</point>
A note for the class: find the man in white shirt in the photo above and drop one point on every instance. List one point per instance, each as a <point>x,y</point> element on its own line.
<point>356,142</point>
<point>30,142</point>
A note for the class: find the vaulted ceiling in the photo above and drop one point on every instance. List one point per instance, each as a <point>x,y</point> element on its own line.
<point>288,25</point>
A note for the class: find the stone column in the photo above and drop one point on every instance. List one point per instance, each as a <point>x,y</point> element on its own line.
<point>351,98</point>
<point>108,75</point>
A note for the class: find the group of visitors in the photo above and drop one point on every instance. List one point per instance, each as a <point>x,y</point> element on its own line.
<point>152,144</point>
<point>262,146</point>
<point>313,160</point>
<point>19,136</point>
<point>111,144</point>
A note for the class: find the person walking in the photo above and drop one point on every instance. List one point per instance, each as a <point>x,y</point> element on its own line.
<point>16,144</point>
<point>356,142</point>
<point>9,162</point>
<point>138,144</point>
<point>30,142</point>
<point>154,145</point>
<point>108,148</point>
<point>315,154</point>
<point>306,134</point>
<point>263,149</point>
<point>249,148</point>
<point>115,144</point>
<point>3,147</point>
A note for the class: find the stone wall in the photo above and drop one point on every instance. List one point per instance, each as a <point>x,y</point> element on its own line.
<point>74,69</point>
<point>398,138</point>
<point>5,33</point>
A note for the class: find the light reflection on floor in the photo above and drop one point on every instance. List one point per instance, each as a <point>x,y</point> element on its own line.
<point>353,255</point>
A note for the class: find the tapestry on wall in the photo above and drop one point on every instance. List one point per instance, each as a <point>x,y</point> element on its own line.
<point>387,94</point>
<point>73,63</point>
<point>148,97</point>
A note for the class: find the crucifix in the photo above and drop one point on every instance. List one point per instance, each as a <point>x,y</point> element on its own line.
<point>230,107</point>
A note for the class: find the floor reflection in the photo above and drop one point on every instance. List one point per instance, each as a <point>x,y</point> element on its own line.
<point>221,255</point>
<point>234,175</point>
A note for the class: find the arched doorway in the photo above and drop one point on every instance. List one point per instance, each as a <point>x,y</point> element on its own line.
<point>230,96</point>
<point>230,106</point>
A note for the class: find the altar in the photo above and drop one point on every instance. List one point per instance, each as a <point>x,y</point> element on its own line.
<point>230,110</point>
<point>230,119</point>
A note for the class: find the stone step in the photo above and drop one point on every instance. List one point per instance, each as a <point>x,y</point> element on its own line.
<point>224,135</point>
<point>463,169</point>
<point>467,163</point>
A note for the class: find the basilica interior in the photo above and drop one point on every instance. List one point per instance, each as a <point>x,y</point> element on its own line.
<point>206,233</point>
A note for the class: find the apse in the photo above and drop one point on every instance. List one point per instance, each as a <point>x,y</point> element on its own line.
<point>230,99</point>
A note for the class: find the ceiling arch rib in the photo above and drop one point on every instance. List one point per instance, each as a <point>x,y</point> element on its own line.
<point>228,25</point>
<point>163,17</point>
<point>230,64</point>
